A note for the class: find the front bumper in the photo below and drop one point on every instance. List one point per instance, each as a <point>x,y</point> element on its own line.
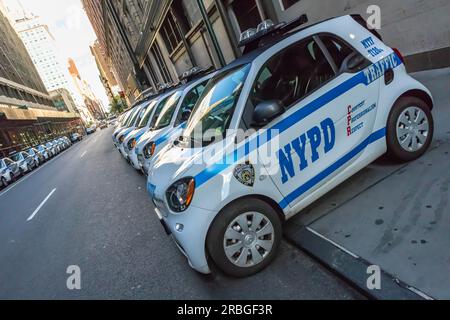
<point>191,238</point>
<point>122,151</point>
<point>8,176</point>
<point>133,158</point>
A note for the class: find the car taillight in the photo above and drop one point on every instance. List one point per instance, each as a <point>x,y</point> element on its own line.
<point>398,53</point>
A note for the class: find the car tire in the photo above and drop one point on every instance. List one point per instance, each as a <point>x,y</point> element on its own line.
<point>4,182</point>
<point>260,241</point>
<point>410,129</point>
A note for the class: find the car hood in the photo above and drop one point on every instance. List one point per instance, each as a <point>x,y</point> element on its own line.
<point>136,133</point>
<point>118,130</point>
<point>146,138</point>
<point>125,132</point>
<point>175,163</point>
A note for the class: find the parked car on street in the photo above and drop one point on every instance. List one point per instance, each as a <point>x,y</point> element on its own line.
<point>171,121</point>
<point>91,129</point>
<point>52,148</point>
<point>317,104</point>
<point>25,161</point>
<point>59,147</point>
<point>9,171</point>
<point>44,151</point>
<point>103,125</point>
<point>37,155</point>
<point>144,128</point>
<point>75,137</point>
<point>130,125</point>
<point>63,143</point>
<point>123,124</point>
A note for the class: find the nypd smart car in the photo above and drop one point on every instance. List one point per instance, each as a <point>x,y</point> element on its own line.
<point>134,142</point>
<point>121,126</point>
<point>303,109</point>
<point>172,120</point>
<point>134,121</point>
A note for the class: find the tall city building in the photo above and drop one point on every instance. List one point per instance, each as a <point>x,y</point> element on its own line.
<point>94,105</point>
<point>42,49</point>
<point>27,112</point>
<point>40,44</point>
<point>106,75</point>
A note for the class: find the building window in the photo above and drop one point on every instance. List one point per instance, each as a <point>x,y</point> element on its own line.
<point>192,11</point>
<point>156,51</point>
<point>246,13</point>
<point>170,32</point>
<point>286,4</point>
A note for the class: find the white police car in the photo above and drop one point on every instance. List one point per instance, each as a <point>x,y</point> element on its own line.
<point>126,118</point>
<point>172,120</point>
<point>323,102</point>
<point>135,119</point>
<point>9,171</point>
<point>136,143</point>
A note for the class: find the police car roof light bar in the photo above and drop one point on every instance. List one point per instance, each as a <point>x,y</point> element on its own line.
<point>195,73</point>
<point>267,32</point>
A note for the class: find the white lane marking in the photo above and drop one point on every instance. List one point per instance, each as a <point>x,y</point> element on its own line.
<point>83,154</point>
<point>41,205</point>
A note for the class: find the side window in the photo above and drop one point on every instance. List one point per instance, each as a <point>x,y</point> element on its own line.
<point>189,102</point>
<point>158,110</point>
<point>337,48</point>
<point>289,76</point>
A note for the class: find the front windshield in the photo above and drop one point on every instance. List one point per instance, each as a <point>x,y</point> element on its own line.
<point>216,106</point>
<point>140,115</point>
<point>158,111</point>
<point>147,115</point>
<point>2,164</point>
<point>168,111</point>
<point>41,148</point>
<point>16,157</point>
<point>132,116</point>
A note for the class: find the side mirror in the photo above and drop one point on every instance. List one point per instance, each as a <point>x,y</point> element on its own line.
<point>266,111</point>
<point>354,62</point>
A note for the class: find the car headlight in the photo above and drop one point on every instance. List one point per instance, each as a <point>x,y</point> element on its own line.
<point>180,194</point>
<point>149,150</point>
<point>132,144</point>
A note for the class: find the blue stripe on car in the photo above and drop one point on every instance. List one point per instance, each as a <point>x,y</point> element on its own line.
<point>285,124</point>
<point>331,169</point>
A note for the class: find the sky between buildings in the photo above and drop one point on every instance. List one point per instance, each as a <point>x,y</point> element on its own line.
<point>73,33</point>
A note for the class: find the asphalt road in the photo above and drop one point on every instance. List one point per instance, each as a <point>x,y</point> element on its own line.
<point>89,208</point>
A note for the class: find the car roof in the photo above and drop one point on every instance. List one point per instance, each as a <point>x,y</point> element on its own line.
<point>254,54</point>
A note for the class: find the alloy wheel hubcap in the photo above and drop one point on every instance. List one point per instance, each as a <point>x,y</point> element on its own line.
<point>412,129</point>
<point>249,239</point>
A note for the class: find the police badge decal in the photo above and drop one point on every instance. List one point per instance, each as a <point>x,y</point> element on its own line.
<point>245,174</point>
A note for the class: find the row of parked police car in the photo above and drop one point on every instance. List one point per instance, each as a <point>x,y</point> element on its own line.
<point>19,163</point>
<point>315,104</point>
